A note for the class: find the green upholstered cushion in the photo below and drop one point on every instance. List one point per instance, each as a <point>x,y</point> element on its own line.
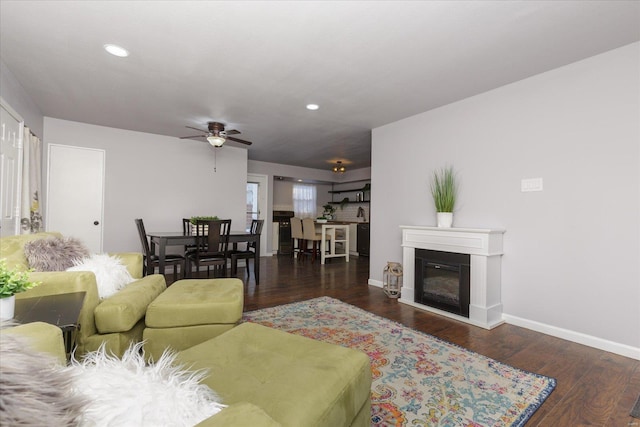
<point>296,380</point>
<point>115,343</point>
<point>133,261</point>
<point>12,248</point>
<point>240,415</point>
<point>42,337</point>
<point>157,340</point>
<point>60,282</point>
<point>121,311</point>
<point>197,302</point>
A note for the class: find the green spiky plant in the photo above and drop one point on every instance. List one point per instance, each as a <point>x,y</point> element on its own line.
<point>194,219</point>
<point>13,282</point>
<point>444,189</point>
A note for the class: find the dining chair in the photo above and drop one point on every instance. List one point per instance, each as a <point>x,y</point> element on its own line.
<point>151,260</point>
<point>187,231</point>
<point>310,235</point>
<point>212,246</point>
<point>249,253</point>
<point>297,237</point>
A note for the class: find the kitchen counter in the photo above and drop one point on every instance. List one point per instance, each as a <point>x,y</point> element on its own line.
<point>344,222</point>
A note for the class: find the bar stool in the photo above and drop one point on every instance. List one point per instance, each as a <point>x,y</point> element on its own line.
<point>297,236</point>
<point>309,233</point>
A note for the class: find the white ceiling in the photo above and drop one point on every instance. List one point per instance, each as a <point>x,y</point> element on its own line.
<point>255,65</point>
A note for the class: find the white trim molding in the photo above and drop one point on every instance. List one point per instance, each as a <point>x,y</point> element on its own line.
<point>573,336</point>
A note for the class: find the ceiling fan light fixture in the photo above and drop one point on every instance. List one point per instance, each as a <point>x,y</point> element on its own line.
<point>215,140</point>
<point>339,167</point>
<point>312,107</point>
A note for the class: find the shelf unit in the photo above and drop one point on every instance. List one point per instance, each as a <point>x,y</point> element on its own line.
<point>350,190</point>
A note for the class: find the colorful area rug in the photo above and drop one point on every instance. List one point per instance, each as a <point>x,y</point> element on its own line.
<point>418,380</point>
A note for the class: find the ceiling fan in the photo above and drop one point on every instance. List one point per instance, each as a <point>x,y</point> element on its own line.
<point>216,135</point>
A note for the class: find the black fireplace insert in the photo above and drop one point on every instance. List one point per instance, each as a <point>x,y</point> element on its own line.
<point>442,280</point>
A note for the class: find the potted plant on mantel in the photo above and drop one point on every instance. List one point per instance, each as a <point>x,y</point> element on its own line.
<point>444,190</point>
<point>11,283</point>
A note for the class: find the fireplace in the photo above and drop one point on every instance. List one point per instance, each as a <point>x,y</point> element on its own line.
<point>463,255</point>
<point>442,280</point>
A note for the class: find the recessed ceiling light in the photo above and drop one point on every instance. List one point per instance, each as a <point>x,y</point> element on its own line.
<point>116,50</point>
<point>312,107</point>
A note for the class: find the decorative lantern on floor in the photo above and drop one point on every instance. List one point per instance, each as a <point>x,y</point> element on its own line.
<point>392,279</point>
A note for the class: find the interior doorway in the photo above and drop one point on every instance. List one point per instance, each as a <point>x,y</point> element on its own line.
<point>257,196</point>
<point>75,193</point>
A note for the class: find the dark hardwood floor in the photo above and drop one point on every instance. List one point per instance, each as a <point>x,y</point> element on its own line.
<point>594,387</point>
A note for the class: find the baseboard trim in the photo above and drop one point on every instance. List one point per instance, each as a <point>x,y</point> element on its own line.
<point>376,283</point>
<point>565,334</point>
<point>573,336</point>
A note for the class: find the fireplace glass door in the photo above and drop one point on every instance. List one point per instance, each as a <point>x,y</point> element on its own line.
<point>442,281</point>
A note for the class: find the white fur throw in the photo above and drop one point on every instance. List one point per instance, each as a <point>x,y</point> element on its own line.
<point>111,274</point>
<point>128,393</point>
<point>54,253</point>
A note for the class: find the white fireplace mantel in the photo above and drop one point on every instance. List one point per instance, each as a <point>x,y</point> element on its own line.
<point>485,249</point>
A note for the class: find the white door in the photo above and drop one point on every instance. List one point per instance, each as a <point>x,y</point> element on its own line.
<point>11,126</point>
<point>75,193</point>
<point>261,210</point>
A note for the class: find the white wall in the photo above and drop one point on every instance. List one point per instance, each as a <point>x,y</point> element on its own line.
<point>572,251</point>
<point>158,178</point>
<point>14,94</point>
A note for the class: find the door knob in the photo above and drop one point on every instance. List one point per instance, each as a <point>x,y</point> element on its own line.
<point>96,223</point>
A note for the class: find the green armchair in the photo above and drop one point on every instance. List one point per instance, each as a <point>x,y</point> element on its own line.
<point>115,321</point>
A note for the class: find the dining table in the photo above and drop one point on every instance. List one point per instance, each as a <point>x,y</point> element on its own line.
<point>162,239</point>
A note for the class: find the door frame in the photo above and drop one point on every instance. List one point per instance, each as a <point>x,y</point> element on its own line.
<point>17,208</point>
<point>50,147</point>
<point>263,206</point>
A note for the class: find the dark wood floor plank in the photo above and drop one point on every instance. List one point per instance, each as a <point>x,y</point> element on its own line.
<point>594,387</point>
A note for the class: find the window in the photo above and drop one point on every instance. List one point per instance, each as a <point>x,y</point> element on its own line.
<point>304,200</point>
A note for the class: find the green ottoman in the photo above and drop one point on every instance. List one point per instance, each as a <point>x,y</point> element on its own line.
<point>192,311</point>
<point>296,381</point>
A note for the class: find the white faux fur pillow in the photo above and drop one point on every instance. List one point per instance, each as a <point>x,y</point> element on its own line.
<point>128,393</point>
<point>111,274</point>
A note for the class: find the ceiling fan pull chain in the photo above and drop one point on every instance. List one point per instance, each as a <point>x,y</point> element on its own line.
<point>215,160</point>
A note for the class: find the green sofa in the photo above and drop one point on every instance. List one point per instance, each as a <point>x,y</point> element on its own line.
<point>268,378</point>
<point>115,321</point>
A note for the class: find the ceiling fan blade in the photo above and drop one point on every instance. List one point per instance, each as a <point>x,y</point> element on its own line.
<point>199,130</point>
<point>241,141</point>
<point>232,132</point>
<point>193,136</point>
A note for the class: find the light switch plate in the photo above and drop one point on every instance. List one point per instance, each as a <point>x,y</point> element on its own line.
<point>531,184</point>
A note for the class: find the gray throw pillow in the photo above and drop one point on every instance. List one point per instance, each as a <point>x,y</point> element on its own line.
<point>54,253</point>
<point>34,391</point>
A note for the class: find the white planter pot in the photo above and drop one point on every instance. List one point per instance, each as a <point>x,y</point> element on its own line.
<point>7,307</point>
<point>445,219</point>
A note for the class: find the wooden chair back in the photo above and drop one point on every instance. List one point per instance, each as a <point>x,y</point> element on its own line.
<point>256,228</point>
<point>146,251</point>
<point>212,237</point>
<point>186,226</point>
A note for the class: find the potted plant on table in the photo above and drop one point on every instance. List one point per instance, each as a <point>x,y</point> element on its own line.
<point>444,190</point>
<point>11,283</point>
<point>194,219</point>
<point>328,211</point>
